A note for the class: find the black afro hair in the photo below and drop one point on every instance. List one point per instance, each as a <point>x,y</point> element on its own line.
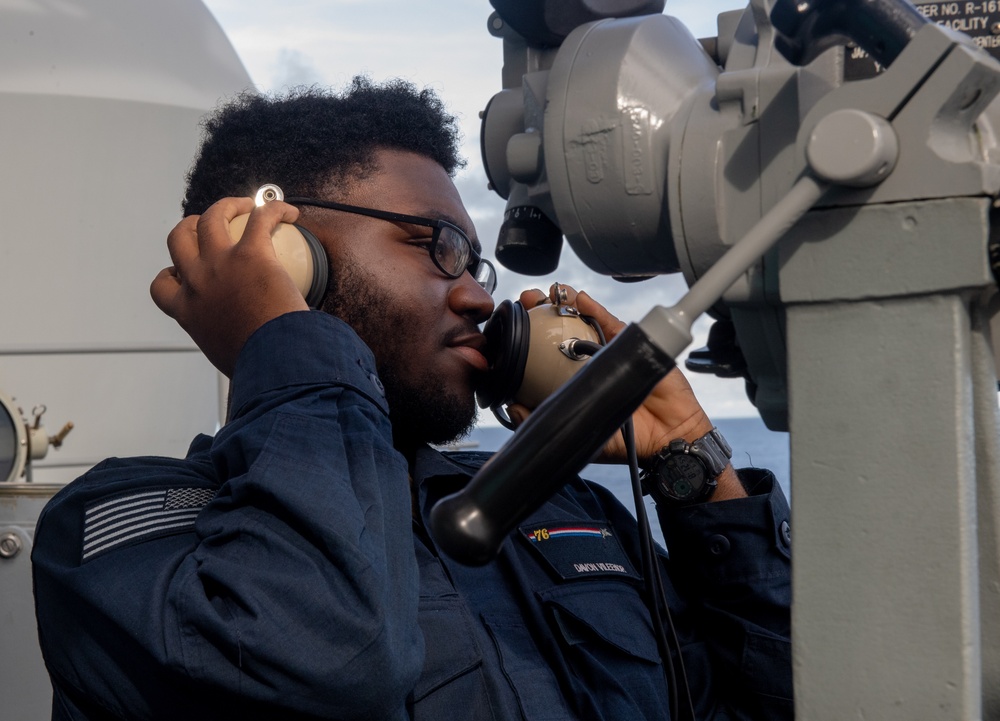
<point>309,139</point>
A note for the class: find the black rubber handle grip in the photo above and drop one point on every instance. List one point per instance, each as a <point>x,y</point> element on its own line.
<point>559,438</point>
<point>806,28</point>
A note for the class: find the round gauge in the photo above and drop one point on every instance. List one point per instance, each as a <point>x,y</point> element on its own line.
<point>13,441</point>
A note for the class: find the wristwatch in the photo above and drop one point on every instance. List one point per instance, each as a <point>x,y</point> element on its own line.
<point>682,472</point>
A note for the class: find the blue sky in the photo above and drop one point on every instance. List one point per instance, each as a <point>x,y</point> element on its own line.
<point>444,45</point>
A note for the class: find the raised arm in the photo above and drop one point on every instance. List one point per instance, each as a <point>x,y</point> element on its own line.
<point>274,569</point>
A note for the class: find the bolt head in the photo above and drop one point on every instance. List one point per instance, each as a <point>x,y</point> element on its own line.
<point>10,545</point>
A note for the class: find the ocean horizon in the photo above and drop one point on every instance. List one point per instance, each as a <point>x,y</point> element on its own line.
<point>753,444</point>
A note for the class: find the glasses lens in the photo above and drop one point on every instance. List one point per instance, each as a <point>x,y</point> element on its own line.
<point>486,276</point>
<point>453,252</point>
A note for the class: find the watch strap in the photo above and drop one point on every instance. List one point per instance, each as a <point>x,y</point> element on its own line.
<point>714,450</point>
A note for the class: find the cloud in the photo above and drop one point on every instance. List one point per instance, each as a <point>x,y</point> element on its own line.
<point>293,68</point>
<point>700,15</point>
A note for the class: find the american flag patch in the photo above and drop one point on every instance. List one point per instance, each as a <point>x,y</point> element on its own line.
<point>111,523</point>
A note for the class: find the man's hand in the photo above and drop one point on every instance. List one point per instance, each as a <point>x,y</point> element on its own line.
<point>219,291</point>
<point>670,411</point>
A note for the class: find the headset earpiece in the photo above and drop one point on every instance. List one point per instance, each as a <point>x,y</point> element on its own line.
<point>300,254</point>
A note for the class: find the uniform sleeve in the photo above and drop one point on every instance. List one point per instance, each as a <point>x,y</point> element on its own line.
<point>731,562</point>
<point>295,593</point>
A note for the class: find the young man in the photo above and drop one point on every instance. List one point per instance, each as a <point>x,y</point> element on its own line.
<point>284,569</point>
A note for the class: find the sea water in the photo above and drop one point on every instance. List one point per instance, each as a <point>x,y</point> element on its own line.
<point>753,445</point>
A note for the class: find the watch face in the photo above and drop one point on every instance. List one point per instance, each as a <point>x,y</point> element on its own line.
<point>684,476</point>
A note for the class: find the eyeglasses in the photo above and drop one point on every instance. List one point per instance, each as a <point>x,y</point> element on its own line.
<point>450,248</point>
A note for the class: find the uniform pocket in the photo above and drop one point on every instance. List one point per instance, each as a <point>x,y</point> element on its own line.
<point>610,614</point>
<point>529,674</point>
<point>452,660</point>
<point>607,640</point>
<point>762,655</point>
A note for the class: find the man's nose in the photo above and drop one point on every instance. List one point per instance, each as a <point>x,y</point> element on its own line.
<point>469,299</point>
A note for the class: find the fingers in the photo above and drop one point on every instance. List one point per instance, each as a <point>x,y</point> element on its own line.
<point>221,291</point>
<point>533,297</point>
<point>518,414</point>
<point>182,245</point>
<point>263,221</point>
<point>609,323</point>
<point>211,233</point>
<point>164,289</point>
<point>212,229</point>
<point>567,295</point>
<point>197,244</point>
<point>558,293</point>
<point>182,242</point>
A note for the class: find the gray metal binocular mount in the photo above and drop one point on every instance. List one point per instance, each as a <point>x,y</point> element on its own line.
<point>865,330</point>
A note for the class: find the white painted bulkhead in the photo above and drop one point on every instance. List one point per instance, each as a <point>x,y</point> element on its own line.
<point>100,103</point>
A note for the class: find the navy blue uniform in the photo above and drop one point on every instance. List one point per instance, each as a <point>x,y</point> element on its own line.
<point>280,571</point>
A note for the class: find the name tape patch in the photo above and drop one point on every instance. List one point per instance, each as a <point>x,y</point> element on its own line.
<point>576,550</point>
<point>122,520</point>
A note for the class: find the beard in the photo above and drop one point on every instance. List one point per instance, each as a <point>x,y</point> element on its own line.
<point>421,407</point>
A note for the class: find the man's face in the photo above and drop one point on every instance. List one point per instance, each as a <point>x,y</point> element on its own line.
<point>420,324</point>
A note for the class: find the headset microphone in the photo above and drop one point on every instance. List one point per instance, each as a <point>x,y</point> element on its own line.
<point>531,353</point>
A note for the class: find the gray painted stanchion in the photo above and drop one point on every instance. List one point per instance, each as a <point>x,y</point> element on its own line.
<point>988,507</point>
<point>882,395</point>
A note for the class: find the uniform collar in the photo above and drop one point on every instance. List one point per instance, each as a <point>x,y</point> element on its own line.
<point>436,474</point>
<point>429,463</point>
